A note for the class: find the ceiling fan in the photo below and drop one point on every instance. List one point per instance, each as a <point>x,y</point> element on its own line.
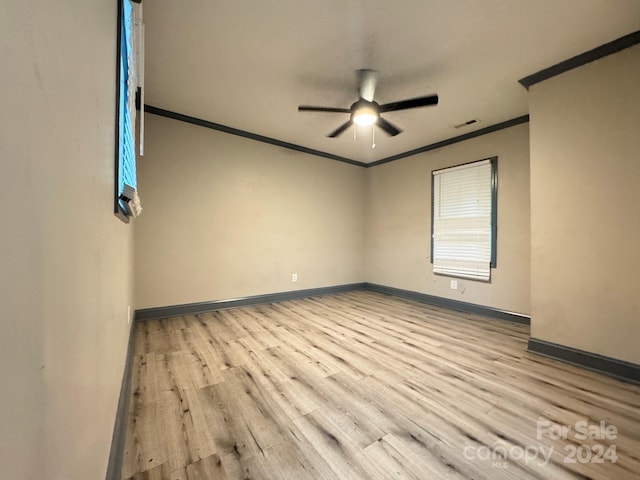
<point>366,111</point>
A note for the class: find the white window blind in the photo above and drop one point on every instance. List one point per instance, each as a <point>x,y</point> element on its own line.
<point>462,230</point>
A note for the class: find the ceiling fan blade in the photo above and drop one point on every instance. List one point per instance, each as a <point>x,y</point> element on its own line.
<point>340,129</point>
<point>310,108</point>
<point>368,80</point>
<point>389,128</point>
<point>411,103</point>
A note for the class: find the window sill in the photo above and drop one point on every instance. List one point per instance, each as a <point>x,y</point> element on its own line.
<point>462,277</point>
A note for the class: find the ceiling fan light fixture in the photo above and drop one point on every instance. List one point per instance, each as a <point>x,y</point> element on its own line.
<point>366,111</point>
<point>365,116</point>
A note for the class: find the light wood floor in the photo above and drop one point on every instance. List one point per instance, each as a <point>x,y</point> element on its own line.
<point>361,385</point>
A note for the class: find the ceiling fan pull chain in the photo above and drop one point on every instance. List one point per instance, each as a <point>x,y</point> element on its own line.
<point>373,136</point>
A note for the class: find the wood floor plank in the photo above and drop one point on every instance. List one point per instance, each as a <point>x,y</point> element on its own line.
<point>172,431</point>
<point>361,385</point>
<point>209,468</point>
<point>159,472</point>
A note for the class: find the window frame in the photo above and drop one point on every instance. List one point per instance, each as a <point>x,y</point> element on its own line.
<point>118,209</point>
<point>493,263</point>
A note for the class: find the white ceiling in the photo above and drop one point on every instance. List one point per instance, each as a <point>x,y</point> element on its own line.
<point>248,64</point>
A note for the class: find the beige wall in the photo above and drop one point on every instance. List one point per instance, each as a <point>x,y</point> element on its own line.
<point>227,217</point>
<point>66,277</point>
<point>585,194</point>
<point>398,225</point>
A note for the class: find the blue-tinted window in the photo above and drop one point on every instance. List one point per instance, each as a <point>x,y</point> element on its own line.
<point>126,155</point>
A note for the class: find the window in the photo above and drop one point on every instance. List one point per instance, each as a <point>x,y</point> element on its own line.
<point>463,220</point>
<point>129,75</point>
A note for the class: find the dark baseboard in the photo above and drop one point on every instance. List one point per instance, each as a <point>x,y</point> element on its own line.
<point>451,304</point>
<point>629,372</point>
<point>200,307</point>
<point>116,455</point>
<point>191,308</point>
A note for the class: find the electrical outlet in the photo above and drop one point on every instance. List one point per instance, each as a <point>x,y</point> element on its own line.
<point>454,284</point>
<point>294,277</point>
